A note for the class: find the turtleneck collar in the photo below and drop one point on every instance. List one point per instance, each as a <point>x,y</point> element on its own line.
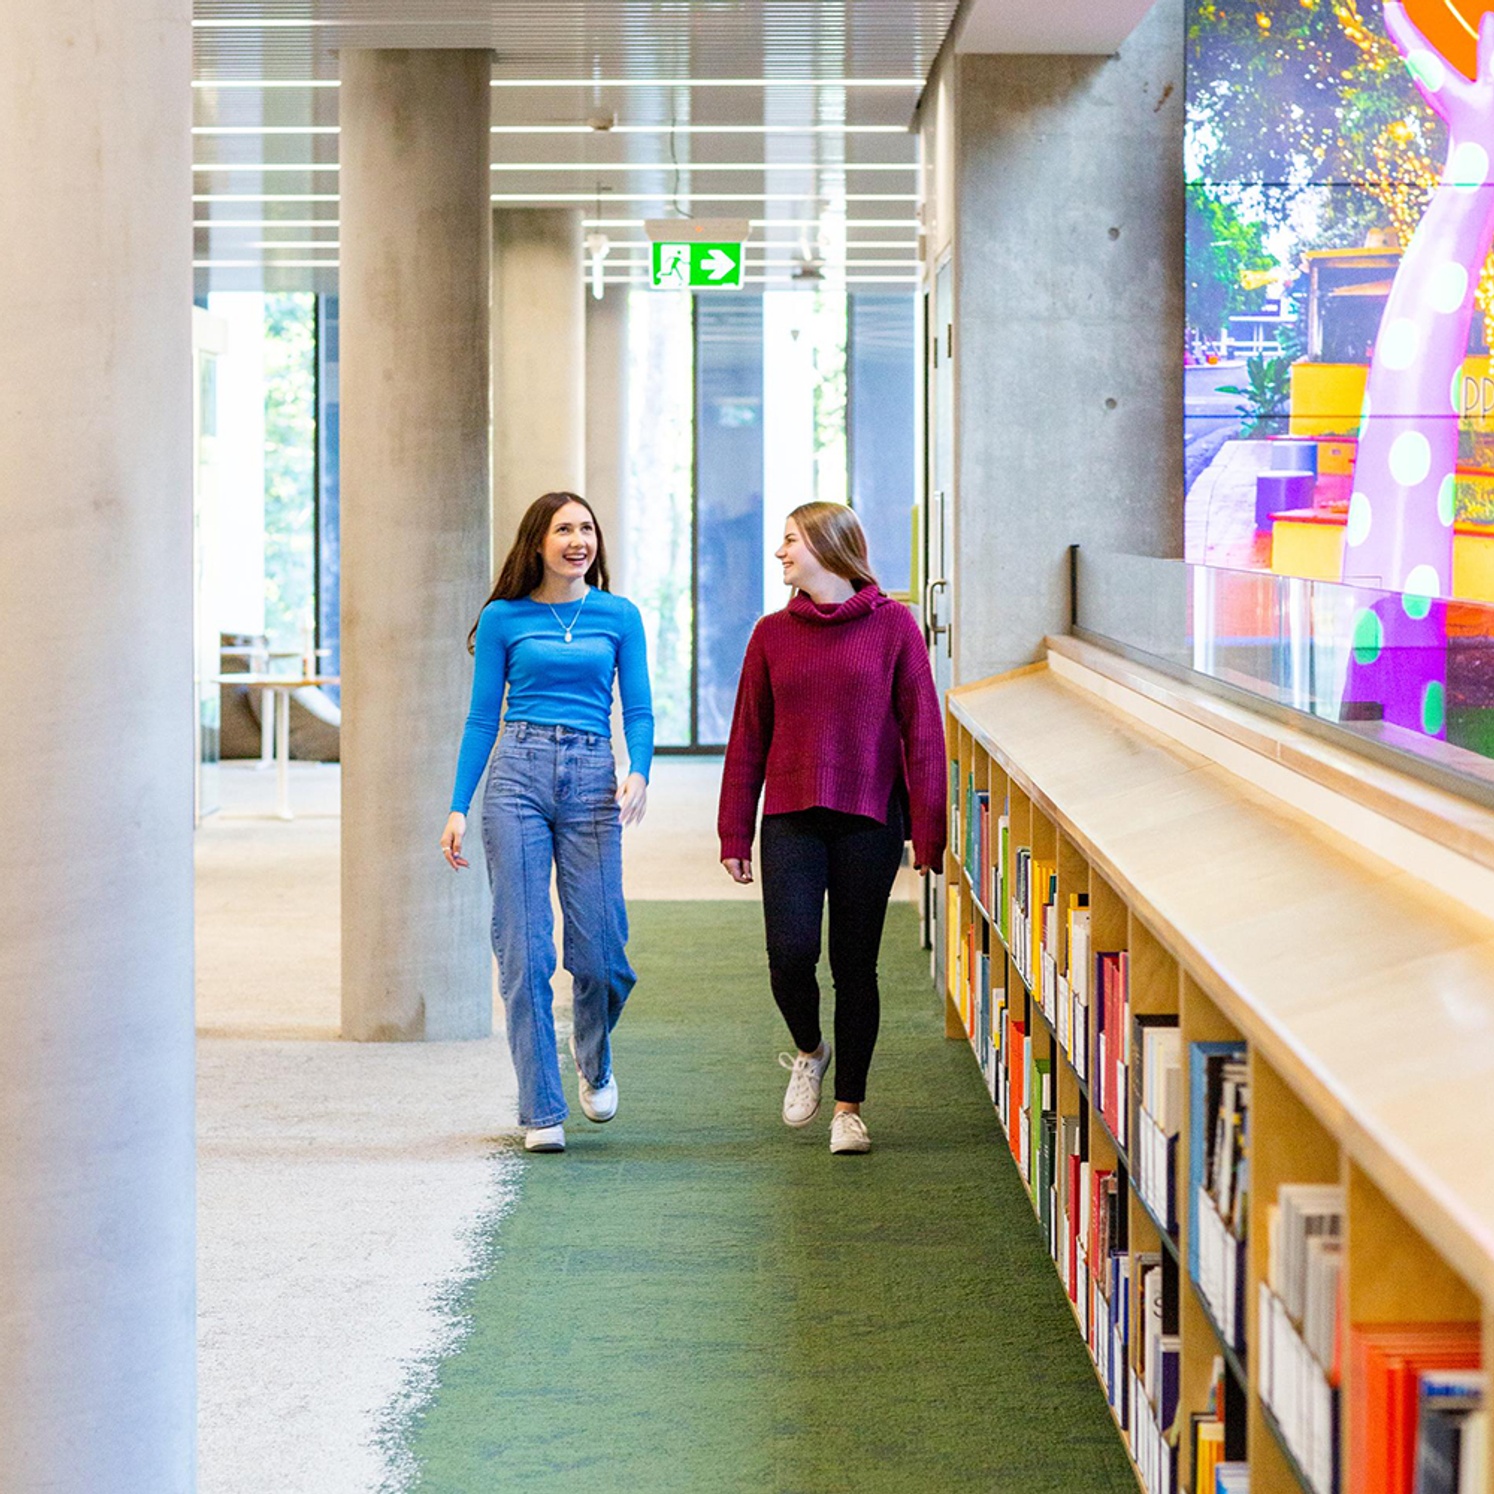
<point>866,600</point>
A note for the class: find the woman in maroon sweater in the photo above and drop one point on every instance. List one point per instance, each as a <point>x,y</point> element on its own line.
<point>838,717</point>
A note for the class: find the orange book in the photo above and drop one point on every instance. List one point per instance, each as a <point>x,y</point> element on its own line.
<point>1384,1361</point>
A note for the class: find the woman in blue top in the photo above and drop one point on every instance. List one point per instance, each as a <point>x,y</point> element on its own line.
<point>554,636</point>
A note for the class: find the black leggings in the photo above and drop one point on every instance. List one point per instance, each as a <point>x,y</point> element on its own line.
<point>855,859</point>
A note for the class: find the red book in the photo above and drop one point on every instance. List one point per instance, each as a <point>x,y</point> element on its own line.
<point>1384,1361</point>
<point>1016,1072</point>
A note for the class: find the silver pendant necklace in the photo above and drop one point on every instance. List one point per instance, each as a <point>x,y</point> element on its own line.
<point>563,627</point>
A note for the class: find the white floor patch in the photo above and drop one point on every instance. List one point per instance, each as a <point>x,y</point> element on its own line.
<point>347,1194</point>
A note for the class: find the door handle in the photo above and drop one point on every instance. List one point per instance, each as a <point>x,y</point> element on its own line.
<point>930,613</point>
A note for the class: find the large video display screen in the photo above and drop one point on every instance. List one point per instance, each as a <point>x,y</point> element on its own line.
<point>1339,400</point>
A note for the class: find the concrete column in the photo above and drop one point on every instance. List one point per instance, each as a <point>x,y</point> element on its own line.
<point>97,1328</point>
<point>607,424</point>
<point>539,362</point>
<point>1067,175</point>
<point>414,469</point>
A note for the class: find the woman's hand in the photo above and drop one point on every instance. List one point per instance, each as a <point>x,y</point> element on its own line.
<point>632,798</point>
<point>739,870</point>
<point>451,840</point>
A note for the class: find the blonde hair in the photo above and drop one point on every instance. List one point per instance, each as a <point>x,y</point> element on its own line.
<point>837,539</point>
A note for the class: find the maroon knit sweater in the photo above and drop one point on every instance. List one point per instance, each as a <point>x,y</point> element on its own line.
<point>836,705</point>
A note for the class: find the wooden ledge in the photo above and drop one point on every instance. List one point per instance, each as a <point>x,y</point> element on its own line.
<point>1369,989</point>
<point>1459,824</point>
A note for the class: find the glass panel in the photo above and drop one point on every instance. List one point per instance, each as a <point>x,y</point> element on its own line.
<point>729,338</point>
<point>1410,673</point>
<point>290,445</point>
<point>329,429</point>
<point>660,533</point>
<point>881,353</point>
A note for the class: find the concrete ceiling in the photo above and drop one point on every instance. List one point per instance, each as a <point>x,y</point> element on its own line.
<point>791,113</point>
<point>1075,27</point>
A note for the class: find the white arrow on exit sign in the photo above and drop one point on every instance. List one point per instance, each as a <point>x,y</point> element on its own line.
<point>719,264</point>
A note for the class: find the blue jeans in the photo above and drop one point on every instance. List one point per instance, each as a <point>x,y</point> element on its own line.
<point>551,797</point>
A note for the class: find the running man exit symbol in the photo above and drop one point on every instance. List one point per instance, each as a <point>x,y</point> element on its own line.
<point>692,266</point>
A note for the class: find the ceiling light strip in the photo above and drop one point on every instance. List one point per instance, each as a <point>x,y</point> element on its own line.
<point>266,129</point>
<point>701,129</point>
<point>262,223</point>
<point>264,264</point>
<point>265,197</point>
<point>708,82</point>
<point>268,166</point>
<point>770,222</point>
<point>588,82</point>
<point>707,196</point>
<point>216,83</point>
<point>685,166</point>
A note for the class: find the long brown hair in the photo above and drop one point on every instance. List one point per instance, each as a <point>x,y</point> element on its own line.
<point>834,533</point>
<point>524,568</point>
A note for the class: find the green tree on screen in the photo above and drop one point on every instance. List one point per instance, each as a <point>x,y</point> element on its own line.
<point>1221,246</point>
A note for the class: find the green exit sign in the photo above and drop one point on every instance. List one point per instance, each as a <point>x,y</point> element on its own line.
<point>695,266</point>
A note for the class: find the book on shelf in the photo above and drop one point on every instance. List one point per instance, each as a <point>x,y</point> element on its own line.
<point>1112,1040</point>
<point>1016,1085</point>
<point>1386,1364</point>
<point>1001,875</point>
<point>1218,1096</point>
<point>1038,1096</point>
<point>1451,1453</point>
<point>1157,1084</point>
<point>1159,1347</point>
<point>1216,1435</point>
<point>1156,1377</point>
<point>1297,1355</point>
<point>1080,969</point>
<point>1152,1449</point>
<point>1232,1478</point>
<point>1070,1157</point>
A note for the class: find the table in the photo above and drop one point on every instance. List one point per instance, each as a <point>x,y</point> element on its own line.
<point>281,687</point>
<point>262,655</point>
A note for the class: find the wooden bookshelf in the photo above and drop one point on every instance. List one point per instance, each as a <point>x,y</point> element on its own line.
<point>1347,999</point>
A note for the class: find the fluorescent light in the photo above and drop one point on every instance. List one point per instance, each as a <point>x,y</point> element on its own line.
<point>708,82</point>
<point>267,83</point>
<point>288,244</point>
<point>698,166</point>
<point>265,197</point>
<point>700,196</point>
<point>266,130</point>
<point>768,222</point>
<point>261,223</point>
<point>266,166</point>
<point>264,264</point>
<point>701,129</point>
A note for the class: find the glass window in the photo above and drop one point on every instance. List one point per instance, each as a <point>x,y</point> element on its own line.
<point>879,420</point>
<point>729,462</point>
<point>290,469</point>
<point>657,506</point>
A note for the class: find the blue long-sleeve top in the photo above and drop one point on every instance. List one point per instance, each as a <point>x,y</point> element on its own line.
<point>521,647</point>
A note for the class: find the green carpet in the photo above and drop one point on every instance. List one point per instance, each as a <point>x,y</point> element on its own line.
<point>695,1298</point>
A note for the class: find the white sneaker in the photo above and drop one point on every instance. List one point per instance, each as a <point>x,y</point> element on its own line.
<point>599,1103</point>
<point>801,1101</point>
<point>544,1139</point>
<point>848,1133</point>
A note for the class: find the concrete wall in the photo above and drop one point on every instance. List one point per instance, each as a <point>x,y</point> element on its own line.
<point>1068,327</point>
<point>97,1217</point>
